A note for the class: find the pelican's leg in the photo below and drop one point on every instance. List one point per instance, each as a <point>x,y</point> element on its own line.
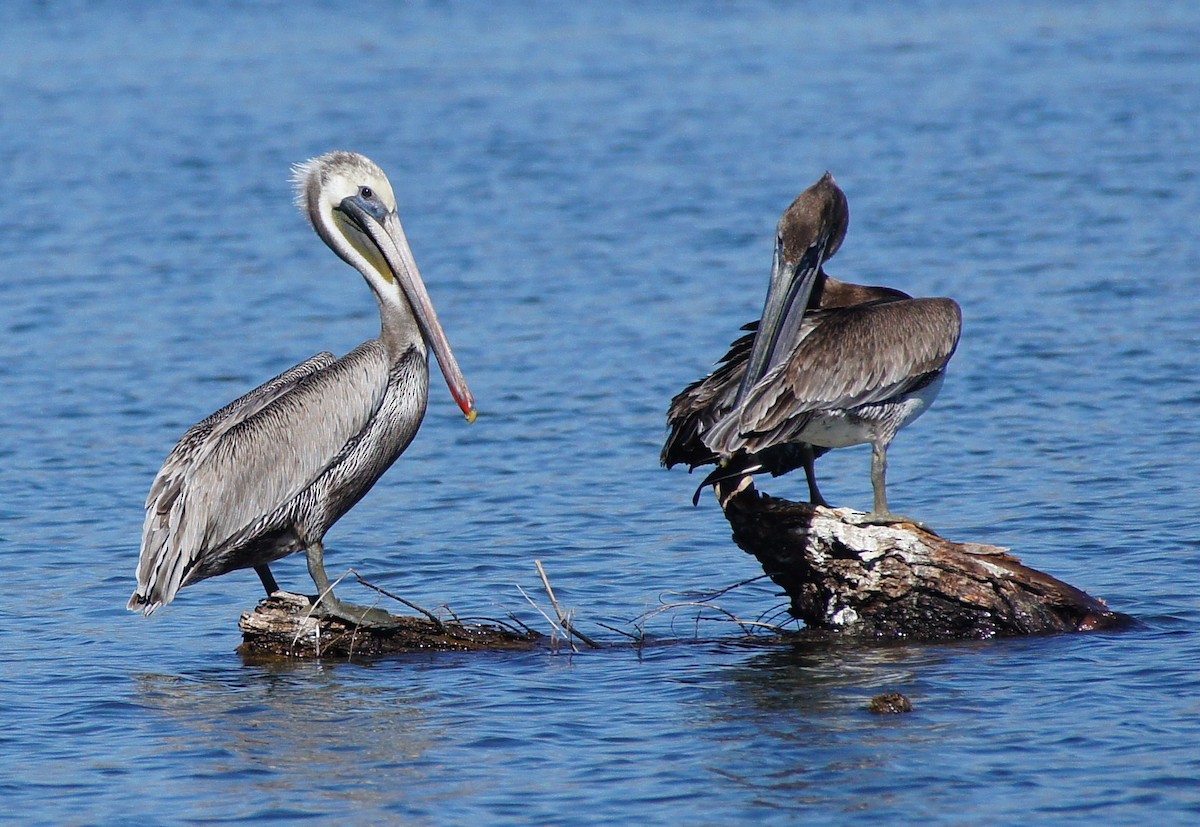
<point>879,480</point>
<point>810,472</point>
<point>881,514</point>
<point>327,604</point>
<point>268,579</point>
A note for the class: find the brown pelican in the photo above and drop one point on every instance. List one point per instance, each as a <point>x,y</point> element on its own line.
<point>268,474</point>
<point>699,406</point>
<point>831,364</point>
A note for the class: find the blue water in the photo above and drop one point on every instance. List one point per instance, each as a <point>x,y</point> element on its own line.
<point>591,192</point>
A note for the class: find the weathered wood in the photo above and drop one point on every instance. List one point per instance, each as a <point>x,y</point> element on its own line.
<point>898,581</point>
<point>282,625</point>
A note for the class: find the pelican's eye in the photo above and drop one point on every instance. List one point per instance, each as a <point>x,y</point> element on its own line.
<point>366,192</point>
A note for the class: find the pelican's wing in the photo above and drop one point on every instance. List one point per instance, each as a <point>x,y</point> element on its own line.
<point>246,465</point>
<point>844,358</point>
<point>703,403</point>
<point>198,438</point>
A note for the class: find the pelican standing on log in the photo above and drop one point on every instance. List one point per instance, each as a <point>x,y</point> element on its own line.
<point>696,409</point>
<point>830,364</point>
<point>268,474</point>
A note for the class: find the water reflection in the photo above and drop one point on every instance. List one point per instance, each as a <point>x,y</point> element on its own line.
<point>269,725</point>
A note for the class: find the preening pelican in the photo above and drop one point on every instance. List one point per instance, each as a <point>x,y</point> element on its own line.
<point>830,364</point>
<point>818,221</point>
<point>268,474</point>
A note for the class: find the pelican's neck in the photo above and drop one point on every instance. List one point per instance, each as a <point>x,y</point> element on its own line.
<point>398,327</point>
<point>820,283</point>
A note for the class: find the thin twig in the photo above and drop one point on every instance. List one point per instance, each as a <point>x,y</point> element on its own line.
<point>746,625</point>
<point>520,622</point>
<point>432,617</point>
<point>479,620</point>
<point>710,595</point>
<point>773,614</point>
<point>640,638</point>
<point>553,625</point>
<point>563,619</point>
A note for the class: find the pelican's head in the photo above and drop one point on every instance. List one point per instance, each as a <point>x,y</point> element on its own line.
<point>336,191</point>
<point>814,226</point>
<point>349,202</point>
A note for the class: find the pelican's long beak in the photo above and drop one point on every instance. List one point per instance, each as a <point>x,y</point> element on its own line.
<point>787,297</point>
<point>399,258</point>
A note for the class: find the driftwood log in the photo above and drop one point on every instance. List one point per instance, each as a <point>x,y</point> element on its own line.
<point>283,625</point>
<point>899,581</point>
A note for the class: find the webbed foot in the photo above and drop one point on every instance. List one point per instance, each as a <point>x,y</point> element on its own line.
<point>890,518</point>
<point>355,615</point>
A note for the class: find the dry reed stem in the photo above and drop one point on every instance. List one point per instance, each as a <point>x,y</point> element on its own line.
<point>563,619</point>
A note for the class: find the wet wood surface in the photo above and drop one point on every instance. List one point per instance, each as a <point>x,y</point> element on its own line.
<point>899,581</point>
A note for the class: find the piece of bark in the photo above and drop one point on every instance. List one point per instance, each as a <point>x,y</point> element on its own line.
<point>898,581</point>
<point>889,703</point>
<point>282,625</point>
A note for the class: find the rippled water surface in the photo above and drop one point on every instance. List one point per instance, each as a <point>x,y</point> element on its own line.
<point>591,194</point>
